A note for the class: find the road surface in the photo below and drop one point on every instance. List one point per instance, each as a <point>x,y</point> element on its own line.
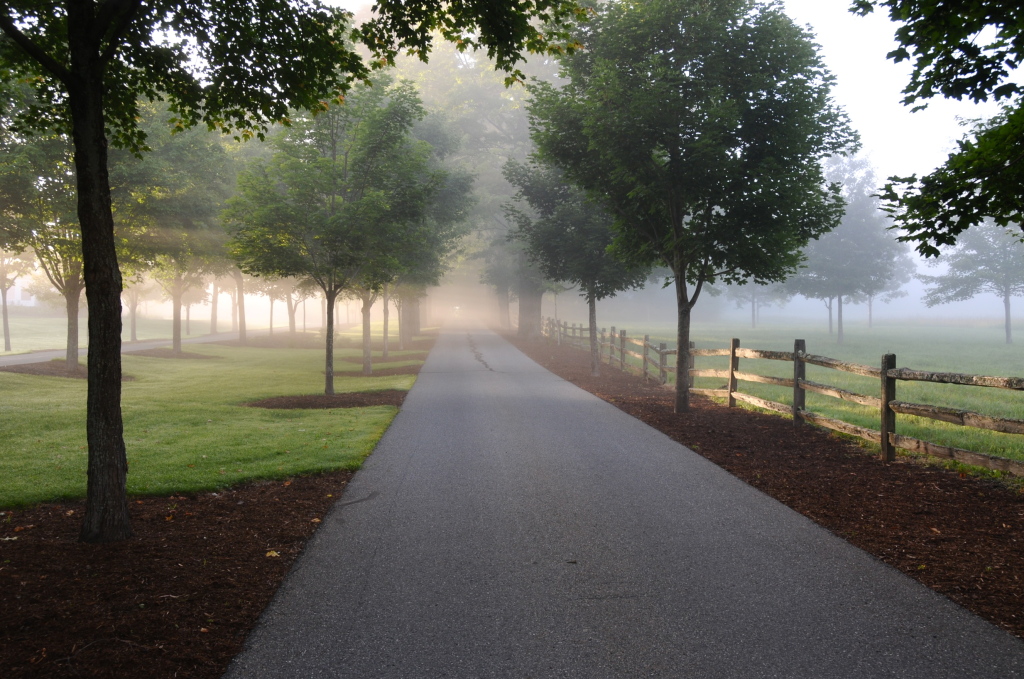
<point>510,524</point>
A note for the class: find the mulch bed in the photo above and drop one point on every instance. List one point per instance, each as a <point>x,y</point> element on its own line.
<point>957,534</point>
<point>177,600</point>
<point>56,368</point>
<point>358,399</point>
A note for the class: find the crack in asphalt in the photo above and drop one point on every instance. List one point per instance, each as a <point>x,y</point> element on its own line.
<point>476,353</point>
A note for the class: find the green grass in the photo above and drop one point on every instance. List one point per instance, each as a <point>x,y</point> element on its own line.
<point>977,349</point>
<point>185,426</point>
<point>39,332</point>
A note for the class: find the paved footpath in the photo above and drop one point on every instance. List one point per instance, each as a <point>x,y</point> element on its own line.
<point>512,525</point>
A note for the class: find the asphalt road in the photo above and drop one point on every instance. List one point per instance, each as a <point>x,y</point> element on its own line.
<point>511,525</point>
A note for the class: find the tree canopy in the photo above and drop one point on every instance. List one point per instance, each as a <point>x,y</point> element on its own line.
<point>702,127</point>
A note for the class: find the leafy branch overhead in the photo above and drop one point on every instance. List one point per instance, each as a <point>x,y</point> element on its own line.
<point>960,50</point>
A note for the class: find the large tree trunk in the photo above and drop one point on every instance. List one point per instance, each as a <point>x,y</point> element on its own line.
<point>871,300</point>
<point>106,511</point>
<point>213,308</point>
<point>839,319</point>
<point>399,317</point>
<point>7,325</point>
<point>133,316</point>
<point>595,356</point>
<point>414,318</point>
<point>504,315</point>
<point>368,299</point>
<point>1006,316</point>
<point>188,319</point>
<point>234,310</point>
<point>387,316</point>
<point>329,298</point>
<point>240,296</point>
<point>683,307</point>
<point>292,309</point>
<point>72,295</point>
<point>828,305</point>
<point>177,290</point>
<point>530,298</point>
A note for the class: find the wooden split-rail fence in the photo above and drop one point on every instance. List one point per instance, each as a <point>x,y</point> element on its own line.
<point>615,350</point>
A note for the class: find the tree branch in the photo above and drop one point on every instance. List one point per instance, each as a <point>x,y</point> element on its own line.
<point>119,14</point>
<point>31,48</point>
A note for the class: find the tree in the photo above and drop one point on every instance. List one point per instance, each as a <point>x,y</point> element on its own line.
<point>568,236</point>
<point>756,296</point>
<point>137,289</point>
<point>961,50</point>
<point>38,180</point>
<point>331,203</point>
<point>988,258</point>
<point>171,199</point>
<point>860,259</point>
<point>701,126</point>
<point>229,64</point>
<point>13,265</point>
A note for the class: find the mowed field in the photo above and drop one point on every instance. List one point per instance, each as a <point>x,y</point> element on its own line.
<point>187,427</point>
<point>973,349</point>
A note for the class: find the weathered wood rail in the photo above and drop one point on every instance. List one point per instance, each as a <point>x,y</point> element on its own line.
<point>654,365</point>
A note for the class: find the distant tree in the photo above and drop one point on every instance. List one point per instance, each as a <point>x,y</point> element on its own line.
<point>137,289</point>
<point>171,199</point>
<point>702,127</point>
<point>568,235</point>
<point>988,258</point>
<point>961,49</point>
<point>13,265</point>
<point>859,260</point>
<point>333,202</point>
<point>755,296</point>
<point>38,182</point>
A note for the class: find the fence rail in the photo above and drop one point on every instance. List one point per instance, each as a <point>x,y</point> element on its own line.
<point>654,365</point>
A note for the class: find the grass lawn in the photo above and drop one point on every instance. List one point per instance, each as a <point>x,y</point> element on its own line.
<point>185,426</point>
<point>977,349</point>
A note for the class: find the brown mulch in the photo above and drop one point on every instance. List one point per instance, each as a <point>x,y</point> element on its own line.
<point>957,534</point>
<point>358,399</point>
<point>177,600</point>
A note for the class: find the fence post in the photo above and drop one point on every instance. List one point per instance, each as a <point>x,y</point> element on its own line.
<point>611,345</point>
<point>888,414</point>
<point>689,365</point>
<point>647,346</point>
<point>799,373</point>
<point>622,349</point>
<point>662,363</point>
<point>734,365</point>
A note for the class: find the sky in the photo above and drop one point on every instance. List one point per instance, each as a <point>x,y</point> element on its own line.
<point>869,86</point>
